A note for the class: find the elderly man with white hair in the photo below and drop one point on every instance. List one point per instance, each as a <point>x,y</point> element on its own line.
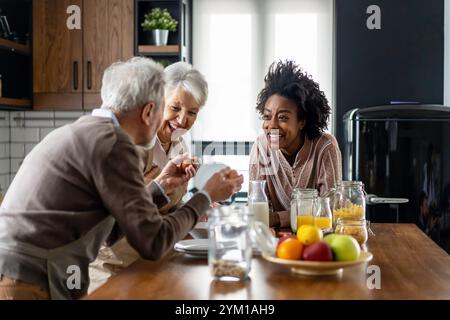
<point>186,92</point>
<point>84,180</point>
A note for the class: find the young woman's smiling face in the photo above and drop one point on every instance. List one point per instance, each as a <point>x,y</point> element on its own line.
<point>180,112</point>
<point>282,125</point>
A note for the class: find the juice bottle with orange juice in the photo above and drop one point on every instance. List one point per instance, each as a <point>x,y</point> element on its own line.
<point>305,219</point>
<point>324,216</point>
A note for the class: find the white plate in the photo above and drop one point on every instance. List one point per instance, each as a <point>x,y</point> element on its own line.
<point>200,231</point>
<point>194,245</point>
<point>199,247</point>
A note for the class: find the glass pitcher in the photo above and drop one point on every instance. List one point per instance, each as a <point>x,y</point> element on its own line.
<point>324,216</point>
<point>258,202</point>
<point>233,235</point>
<point>303,207</point>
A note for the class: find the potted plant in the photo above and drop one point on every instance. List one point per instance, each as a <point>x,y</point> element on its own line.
<point>160,22</point>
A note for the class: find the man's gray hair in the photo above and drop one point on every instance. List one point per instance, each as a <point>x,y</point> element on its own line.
<point>182,75</point>
<point>132,84</point>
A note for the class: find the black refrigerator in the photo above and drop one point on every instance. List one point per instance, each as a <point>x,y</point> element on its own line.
<point>402,151</point>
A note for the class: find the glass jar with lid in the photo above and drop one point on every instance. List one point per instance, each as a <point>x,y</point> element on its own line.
<point>349,201</point>
<point>232,236</point>
<point>303,207</point>
<point>357,228</point>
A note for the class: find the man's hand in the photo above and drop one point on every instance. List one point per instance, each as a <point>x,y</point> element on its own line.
<point>172,176</point>
<point>223,184</point>
<point>150,175</point>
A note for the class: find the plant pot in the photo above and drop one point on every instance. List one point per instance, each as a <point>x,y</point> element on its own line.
<point>160,37</point>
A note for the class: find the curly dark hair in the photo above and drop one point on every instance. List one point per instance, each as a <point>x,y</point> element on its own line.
<point>288,80</point>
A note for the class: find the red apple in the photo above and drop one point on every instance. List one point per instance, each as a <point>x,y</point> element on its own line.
<point>284,238</point>
<point>319,251</point>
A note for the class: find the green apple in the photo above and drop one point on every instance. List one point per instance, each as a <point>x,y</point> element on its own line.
<point>345,248</point>
<point>329,238</point>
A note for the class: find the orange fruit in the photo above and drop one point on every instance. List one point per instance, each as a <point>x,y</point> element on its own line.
<point>290,249</point>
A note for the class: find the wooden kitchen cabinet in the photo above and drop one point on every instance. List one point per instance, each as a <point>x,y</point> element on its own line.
<point>68,64</point>
<point>108,37</point>
<point>57,57</point>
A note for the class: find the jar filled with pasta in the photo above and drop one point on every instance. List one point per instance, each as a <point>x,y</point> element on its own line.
<point>357,228</point>
<point>349,201</point>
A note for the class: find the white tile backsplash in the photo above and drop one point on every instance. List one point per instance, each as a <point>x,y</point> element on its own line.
<point>68,114</point>
<point>39,119</point>
<point>4,119</point>
<point>4,150</point>
<point>60,123</point>
<point>4,135</point>
<point>17,150</point>
<point>4,166</point>
<point>39,114</point>
<point>15,164</point>
<point>4,183</point>
<point>43,132</point>
<point>62,118</point>
<point>24,134</point>
<point>29,147</point>
<point>38,123</point>
<point>21,131</point>
<point>17,119</point>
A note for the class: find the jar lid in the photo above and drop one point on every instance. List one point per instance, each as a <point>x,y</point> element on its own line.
<point>263,238</point>
<point>351,221</point>
<point>350,184</point>
<point>236,210</point>
<point>305,193</point>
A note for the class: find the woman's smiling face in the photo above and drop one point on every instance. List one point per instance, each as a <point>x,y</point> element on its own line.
<point>180,112</point>
<point>282,125</point>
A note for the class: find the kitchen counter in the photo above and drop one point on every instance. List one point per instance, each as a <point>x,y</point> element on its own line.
<point>412,267</point>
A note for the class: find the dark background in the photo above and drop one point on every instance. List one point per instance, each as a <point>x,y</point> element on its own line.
<point>404,61</point>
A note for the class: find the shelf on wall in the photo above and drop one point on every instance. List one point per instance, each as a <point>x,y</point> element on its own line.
<point>9,102</point>
<point>159,50</point>
<point>14,46</point>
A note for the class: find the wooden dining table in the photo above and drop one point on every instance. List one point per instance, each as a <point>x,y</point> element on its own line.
<point>411,266</point>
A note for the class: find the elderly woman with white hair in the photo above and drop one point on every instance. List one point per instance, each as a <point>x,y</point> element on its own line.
<point>186,92</point>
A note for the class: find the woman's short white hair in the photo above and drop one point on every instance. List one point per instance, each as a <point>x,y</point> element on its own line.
<point>132,84</point>
<point>182,75</point>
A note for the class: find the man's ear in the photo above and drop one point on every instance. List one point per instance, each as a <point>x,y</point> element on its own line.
<point>146,113</point>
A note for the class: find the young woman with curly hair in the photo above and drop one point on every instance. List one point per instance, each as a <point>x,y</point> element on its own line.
<point>294,151</point>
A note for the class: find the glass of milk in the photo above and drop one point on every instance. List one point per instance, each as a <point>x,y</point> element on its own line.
<point>257,201</point>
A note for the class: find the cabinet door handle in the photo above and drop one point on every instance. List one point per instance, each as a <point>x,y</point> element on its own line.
<point>75,75</point>
<point>89,75</point>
